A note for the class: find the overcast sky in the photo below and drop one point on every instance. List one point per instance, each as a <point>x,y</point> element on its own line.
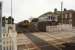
<point>25,9</point>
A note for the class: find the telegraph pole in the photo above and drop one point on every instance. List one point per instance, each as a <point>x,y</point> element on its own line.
<point>0,19</point>
<point>1,25</point>
<point>61,15</point>
<point>62,12</point>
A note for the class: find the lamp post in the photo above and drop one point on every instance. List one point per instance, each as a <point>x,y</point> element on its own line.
<point>11,11</point>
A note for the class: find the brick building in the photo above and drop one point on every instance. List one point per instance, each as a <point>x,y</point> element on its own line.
<point>73,19</point>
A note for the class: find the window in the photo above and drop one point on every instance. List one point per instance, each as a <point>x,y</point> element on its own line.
<point>10,48</point>
<point>0,40</point>
<point>4,48</point>
<point>49,17</point>
<point>7,35</point>
<point>7,48</point>
<point>3,35</point>
<point>0,47</point>
<point>3,42</point>
<point>65,15</point>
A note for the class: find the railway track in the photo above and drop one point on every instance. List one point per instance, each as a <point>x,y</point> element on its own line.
<point>56,41</point>
<point>45,41</point>
<point>25,43</point>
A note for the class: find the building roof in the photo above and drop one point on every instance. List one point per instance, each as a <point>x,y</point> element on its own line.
<point>45,14</point>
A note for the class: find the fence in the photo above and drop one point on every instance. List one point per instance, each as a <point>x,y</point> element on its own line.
<point>58,28</point>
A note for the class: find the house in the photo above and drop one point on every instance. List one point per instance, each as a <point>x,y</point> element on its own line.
<point>49,16</point>
<point>47,19</point>
<point>65,16</point>
<point>55,18</point>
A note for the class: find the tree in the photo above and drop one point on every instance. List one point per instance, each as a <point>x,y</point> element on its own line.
<point>3,21</point>
<point>55,10</point>
<point>35,20</point>
<point>24,23</point>
<point>10,20</point>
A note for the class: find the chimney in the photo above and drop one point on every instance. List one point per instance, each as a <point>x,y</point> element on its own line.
<point>65,9</point>
<point>55,10</point>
